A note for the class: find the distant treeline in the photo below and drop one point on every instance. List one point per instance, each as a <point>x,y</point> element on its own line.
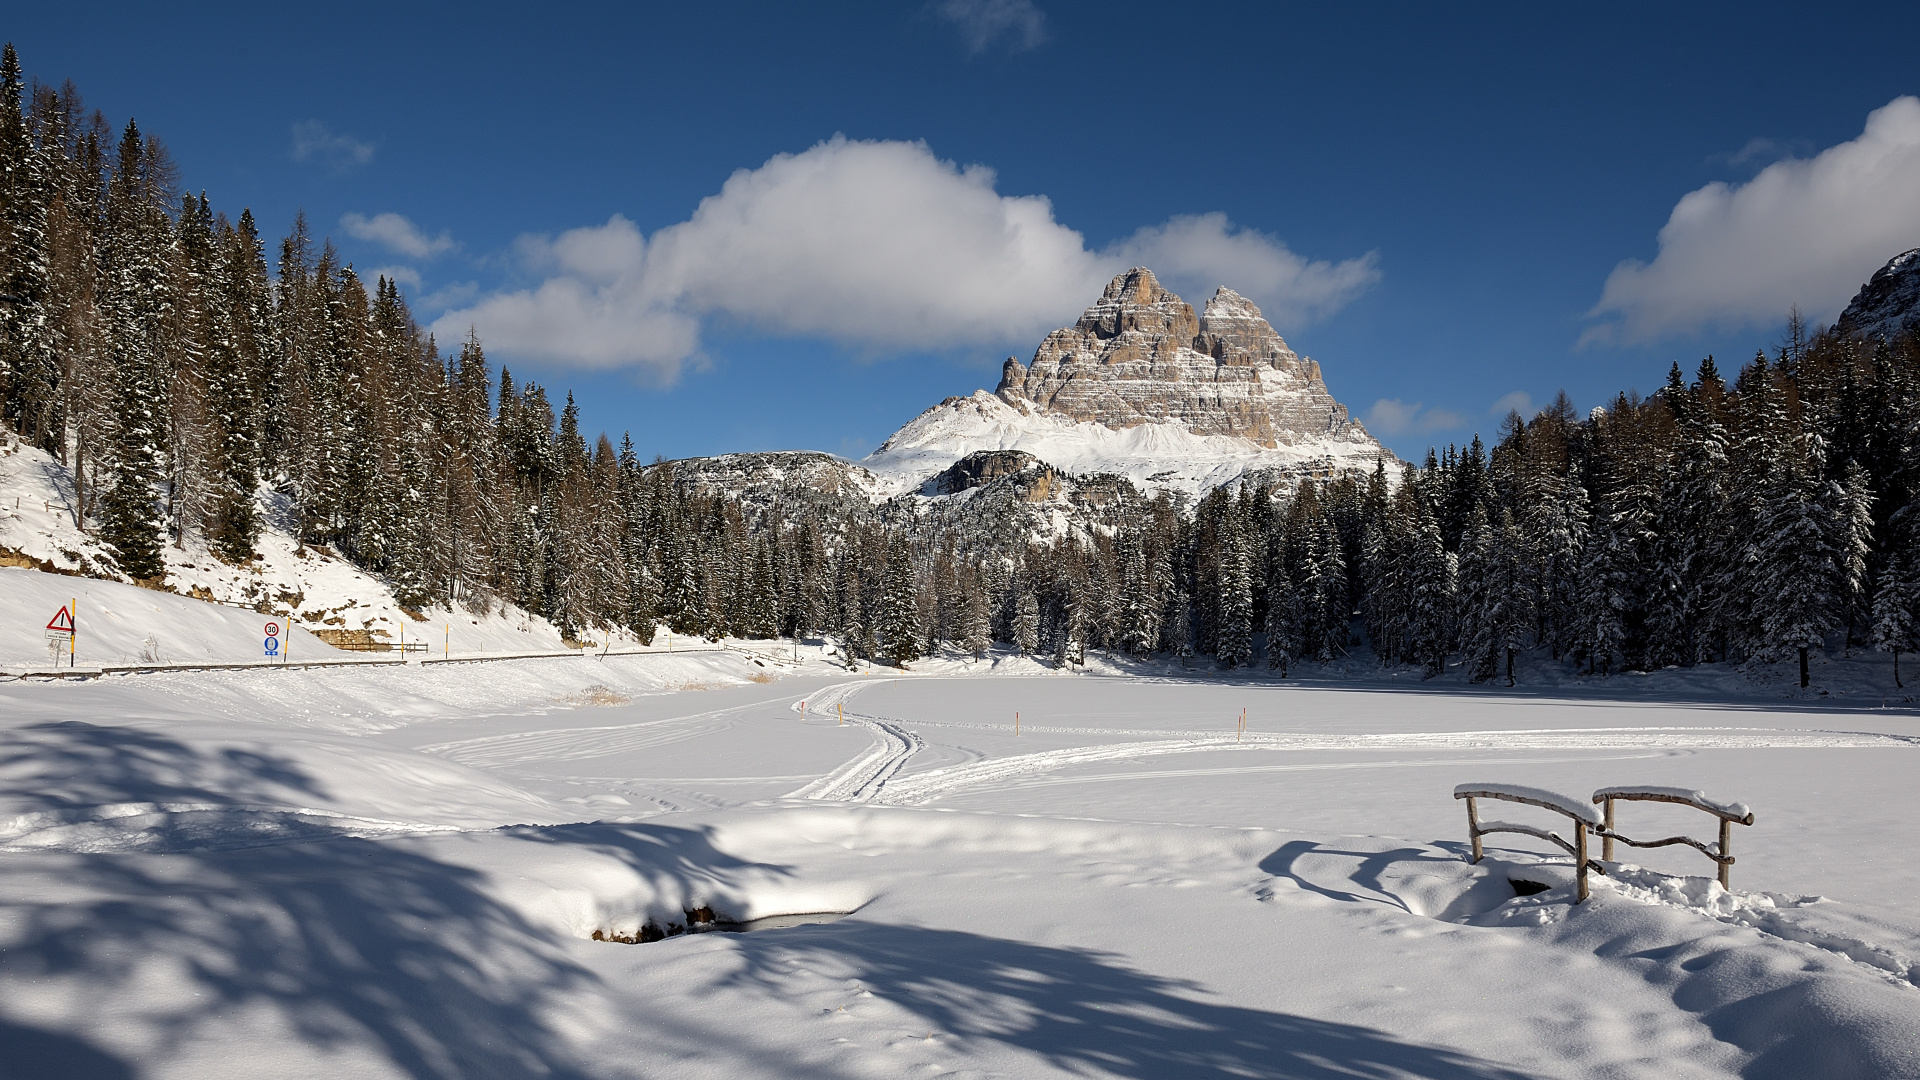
<point>190,377</point>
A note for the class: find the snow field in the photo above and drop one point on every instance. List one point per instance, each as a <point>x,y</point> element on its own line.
<point>397,871</point>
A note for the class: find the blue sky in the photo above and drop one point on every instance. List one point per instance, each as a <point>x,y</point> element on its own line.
<point>1434,201</point>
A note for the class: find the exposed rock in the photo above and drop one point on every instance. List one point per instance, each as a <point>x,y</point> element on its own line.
<point>1143,388</point>
<point>1889,303</point>
<point>976,470</point>
<point>1139,356</point>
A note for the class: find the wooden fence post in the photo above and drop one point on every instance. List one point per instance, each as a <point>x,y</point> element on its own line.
<point>1606,838</point>
<point>1725,860</point>
<point>1580,858</point>
<point>1473,827</point>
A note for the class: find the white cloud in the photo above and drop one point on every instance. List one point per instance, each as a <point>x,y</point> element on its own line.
<point>316,142</point>
<point>982,23</point>
<point>1192,254</point>
<point>870,244</point>
<point>1519,401</point>
<point>1391,416</point>
<point>395,233</point>
<point>1803,232</point>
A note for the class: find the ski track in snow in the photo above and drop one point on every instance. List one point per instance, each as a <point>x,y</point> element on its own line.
<point>861,779</point>
<point>874,775</point>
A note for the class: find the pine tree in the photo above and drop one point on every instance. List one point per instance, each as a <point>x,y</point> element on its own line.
<point>1283,618</point>
<point>1235,645</point>
<point>1799,560</point>
<point>1026,623</point>
<point>1896,598</point>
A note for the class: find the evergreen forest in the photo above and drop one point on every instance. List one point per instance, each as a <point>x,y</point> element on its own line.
<point>189,371</point>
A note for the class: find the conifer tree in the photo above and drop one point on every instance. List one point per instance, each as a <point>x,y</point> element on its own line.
<point>1235,644</point>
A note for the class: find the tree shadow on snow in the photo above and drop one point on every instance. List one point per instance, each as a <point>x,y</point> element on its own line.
<point>29,1053</point>
<point>72,764</point>
<point>1087,1013</point>
<point>352,943</point>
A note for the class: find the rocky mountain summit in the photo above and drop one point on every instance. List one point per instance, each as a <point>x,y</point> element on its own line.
<point>1142,387</point>
<point>1889,303</point>
<point>1139,356</point>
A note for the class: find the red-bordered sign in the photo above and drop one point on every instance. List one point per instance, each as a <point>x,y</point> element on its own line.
<point>62,622</point>
<point>273,629</point>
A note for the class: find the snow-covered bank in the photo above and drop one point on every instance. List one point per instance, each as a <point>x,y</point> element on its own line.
<point>398,871</point>
<point>287,580</point>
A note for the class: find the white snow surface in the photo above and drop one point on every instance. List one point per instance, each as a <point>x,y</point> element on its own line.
<point>398,871</point>
<point>1155,456</point>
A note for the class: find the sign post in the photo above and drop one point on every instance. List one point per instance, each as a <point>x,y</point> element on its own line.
<point>62,623</point>
<point>273,640</point>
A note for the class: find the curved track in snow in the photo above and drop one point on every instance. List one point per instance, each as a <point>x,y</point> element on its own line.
<point>861,779</point>
<point>874,776</point>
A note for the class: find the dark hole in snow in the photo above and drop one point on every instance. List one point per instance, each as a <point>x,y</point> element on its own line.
<point>1523,887</point>
<point>704,921</point>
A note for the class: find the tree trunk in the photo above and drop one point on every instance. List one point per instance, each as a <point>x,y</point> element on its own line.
<point>1896,671</point>
<point>1509,666</point>
<point>1803,667</point>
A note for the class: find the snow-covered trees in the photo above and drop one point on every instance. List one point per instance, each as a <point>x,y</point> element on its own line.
<point>189,379</point>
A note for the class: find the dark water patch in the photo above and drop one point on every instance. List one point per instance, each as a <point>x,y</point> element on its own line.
<point>705,921</point>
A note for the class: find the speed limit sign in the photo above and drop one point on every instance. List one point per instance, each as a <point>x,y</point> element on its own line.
<point>273,629</point>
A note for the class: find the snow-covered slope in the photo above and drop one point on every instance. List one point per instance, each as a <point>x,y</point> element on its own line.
<point>1154,456</point>
<point>297,583</point>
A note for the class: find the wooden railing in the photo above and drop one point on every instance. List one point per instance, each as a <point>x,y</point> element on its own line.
<point>1602,823</point>
<point>1730,814</point>
<point>1583,817</point>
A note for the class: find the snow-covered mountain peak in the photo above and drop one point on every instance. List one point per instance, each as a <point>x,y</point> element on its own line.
<point>1142,387</point>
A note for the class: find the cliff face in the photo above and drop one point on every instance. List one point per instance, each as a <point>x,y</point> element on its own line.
<point>1139,356</point>
<point>1889,303</point>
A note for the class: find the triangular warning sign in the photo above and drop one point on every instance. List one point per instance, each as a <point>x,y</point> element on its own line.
<point>62,622</point>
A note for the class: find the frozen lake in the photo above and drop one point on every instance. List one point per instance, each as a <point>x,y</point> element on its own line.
<point>400,872</point>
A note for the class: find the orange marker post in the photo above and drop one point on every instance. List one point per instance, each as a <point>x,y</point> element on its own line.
<point>1016,725</point>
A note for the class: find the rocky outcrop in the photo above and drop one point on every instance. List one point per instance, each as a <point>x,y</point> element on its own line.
<point>1139,355</point>
<point>1889,303</point>
<point>980,469</point>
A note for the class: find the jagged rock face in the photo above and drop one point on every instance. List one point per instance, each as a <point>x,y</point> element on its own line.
<point>977,470</point>
<point>1139,356</point>
<point>1889,303</point>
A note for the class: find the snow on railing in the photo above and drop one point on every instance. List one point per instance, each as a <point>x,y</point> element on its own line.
<point>1583,815</point>
<point>1729,813</point>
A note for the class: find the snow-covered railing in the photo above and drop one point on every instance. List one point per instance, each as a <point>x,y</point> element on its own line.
<point>1583,814</point>
<point>1730,814</point>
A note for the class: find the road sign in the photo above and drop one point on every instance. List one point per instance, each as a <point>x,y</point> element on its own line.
<point>273,629</point>
<point>62,622</point>
<point>273,646</point>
